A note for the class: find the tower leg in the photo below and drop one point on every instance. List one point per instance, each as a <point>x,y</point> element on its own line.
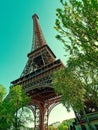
<point>37,118</point>
<point>44,117</point>
<point>41,117</point>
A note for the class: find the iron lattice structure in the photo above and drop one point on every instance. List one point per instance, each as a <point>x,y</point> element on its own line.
<point>36,77</point>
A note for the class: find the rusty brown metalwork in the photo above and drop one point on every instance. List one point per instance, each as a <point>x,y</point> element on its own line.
<point>36,77</point>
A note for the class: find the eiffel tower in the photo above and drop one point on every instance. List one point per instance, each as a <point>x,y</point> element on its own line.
<point>36,78</point>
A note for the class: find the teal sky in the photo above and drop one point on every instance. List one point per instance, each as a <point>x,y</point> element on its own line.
<point>16,34</point>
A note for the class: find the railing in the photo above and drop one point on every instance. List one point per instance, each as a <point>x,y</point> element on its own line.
<point>91,117</point>
<point>37,72</point>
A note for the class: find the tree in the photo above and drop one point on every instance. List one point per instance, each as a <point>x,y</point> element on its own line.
<point>77,24</point>
<point>9,115</point>
<point>88,75</point>
<point>71,89</point>
<point>2,93</point>
<point>65,125</point>
<point>62,127</point>
<point>19,99</point>
<point>51,127</point>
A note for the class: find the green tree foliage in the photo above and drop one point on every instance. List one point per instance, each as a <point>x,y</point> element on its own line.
<point>78,21</point>
<point>19,99</point>
<point>70,87</point>
<point>2,93</point>
<point>9,107</point>
<point>77,24</point>
<point>62,127</point>
<point>65,124</point>
<point>52,127</point>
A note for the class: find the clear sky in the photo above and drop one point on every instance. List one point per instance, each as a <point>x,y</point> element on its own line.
<point>16,30</point>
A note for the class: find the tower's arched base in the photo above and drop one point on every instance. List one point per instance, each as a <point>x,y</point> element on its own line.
<point>41,112</point>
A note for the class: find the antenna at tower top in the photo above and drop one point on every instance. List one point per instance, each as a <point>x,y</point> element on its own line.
<point>35,16</point>
<point>38,37</point>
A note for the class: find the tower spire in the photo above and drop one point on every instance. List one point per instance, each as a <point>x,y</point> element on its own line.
<point>40,55</point>
<point>38,37</point>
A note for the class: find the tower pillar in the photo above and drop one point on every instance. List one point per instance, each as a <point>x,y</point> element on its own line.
<point>41,117</point>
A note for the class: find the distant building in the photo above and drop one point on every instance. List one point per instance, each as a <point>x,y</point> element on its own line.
<point>55,124</point>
